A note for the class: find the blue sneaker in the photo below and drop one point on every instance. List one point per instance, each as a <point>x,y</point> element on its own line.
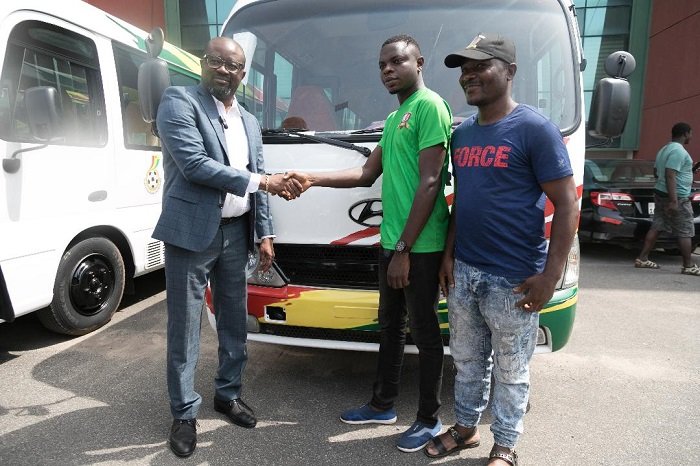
<point>366,415</point>
<point>417,436</point>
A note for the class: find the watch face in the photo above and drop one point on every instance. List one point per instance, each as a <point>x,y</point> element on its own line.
<point>400,246</point>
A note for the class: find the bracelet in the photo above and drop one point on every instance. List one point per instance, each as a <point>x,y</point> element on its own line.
<point>267,183</point>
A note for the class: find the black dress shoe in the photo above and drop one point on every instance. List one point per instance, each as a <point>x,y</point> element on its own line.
<point>183,437</point>
<point>238,412</point>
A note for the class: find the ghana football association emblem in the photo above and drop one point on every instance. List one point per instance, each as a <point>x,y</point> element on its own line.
<point>404,120</point>
<point>153,180</point>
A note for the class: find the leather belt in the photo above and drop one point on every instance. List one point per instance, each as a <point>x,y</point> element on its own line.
<point>227,220</point>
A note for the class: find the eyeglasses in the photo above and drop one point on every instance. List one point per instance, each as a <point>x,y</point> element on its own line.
<point>217,62</point>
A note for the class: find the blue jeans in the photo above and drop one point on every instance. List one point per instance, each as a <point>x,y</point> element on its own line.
<point>488,333</point>
<point>414,306</point>
<point>186,276</point>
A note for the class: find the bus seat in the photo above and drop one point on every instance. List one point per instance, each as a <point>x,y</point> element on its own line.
<point>294,122</point>
<point>312,105</point>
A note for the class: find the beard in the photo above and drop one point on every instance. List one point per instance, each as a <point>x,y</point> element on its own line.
<point>220,92</point>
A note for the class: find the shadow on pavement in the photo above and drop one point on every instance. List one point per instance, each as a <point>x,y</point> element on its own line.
<point>104,400</point>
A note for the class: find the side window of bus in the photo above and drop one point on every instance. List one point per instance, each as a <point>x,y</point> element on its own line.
<point>137,133</point>
<point>42,54</point>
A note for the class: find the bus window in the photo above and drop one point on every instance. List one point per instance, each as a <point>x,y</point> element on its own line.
<point>137,133</point>
<point>337,52</point>
<point>40,54</point>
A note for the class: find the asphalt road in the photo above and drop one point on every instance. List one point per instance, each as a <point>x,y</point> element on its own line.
<point>625,390</point>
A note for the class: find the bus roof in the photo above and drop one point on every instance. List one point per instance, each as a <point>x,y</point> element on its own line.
<point>101,23</point>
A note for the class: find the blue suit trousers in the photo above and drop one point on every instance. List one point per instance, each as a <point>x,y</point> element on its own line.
<point>186,274</point>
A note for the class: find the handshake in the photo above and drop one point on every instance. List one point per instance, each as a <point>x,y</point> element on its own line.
<point>288,185</point>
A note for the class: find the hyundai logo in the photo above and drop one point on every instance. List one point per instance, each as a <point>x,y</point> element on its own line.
<point>367,213</point>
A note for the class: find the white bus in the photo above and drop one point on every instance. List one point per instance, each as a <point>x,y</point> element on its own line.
<point>313,83</point>
<point>80,186</point>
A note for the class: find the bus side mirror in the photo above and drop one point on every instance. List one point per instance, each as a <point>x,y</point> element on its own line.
<point>153,78</point>
<point>41,105</point>
<point>611,98</point>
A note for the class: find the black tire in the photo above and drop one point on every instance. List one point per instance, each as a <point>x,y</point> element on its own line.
<point>88,288</point>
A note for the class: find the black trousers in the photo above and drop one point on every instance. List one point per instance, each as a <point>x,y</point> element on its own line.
<point>415,305</point>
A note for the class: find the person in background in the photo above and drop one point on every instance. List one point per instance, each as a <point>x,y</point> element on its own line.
<point>673,213</point>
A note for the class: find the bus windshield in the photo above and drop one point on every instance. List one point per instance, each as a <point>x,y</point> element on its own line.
<point>319,71</point>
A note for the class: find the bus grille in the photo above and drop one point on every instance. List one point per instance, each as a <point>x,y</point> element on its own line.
<point>330,266</point>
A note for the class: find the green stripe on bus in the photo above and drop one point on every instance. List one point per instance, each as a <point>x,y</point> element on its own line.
<point>558,317</point>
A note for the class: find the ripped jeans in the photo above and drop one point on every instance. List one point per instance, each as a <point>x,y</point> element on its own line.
<point>488,333</point>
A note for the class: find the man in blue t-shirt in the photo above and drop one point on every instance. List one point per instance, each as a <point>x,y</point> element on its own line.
<point>497,270</point>
<point>673,213</point>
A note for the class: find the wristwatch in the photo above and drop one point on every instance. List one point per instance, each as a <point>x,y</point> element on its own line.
<point>401,247</point>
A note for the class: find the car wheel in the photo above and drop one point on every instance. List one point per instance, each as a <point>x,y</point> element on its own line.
<point>88,288</point>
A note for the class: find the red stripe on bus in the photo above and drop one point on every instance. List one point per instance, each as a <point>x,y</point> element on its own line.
<point>366,233</point>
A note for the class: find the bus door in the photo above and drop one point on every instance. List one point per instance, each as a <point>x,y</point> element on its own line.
<point>70,177</point>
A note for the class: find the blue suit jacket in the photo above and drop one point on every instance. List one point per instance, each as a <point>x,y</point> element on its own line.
<point>196,173</point>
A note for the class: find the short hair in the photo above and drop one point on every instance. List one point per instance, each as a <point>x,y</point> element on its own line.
<point>402,38</point>
<point>679,129</point>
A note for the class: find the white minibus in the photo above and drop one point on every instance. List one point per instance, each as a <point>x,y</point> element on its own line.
<point>80,186</point>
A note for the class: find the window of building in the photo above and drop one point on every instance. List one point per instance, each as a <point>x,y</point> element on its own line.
<point>200,21</point>
<point>605,26</point>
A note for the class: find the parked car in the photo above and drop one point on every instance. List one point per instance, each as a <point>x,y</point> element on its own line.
<point>618,203</point>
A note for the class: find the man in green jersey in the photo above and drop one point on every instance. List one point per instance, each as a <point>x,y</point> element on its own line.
<point>674,171</point>
<point>412,157</point>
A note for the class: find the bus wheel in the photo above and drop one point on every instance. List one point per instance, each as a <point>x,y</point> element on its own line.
<point>88,288</point>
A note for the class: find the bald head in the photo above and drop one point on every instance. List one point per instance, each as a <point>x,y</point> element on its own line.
<point>223,43</point>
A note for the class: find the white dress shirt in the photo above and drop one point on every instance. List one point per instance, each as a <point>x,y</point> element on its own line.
<point>237,150</point>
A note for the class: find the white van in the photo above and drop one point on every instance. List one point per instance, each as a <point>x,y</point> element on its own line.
<point>80,187</point>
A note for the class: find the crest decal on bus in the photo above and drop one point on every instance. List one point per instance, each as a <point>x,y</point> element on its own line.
<point>153,180</point>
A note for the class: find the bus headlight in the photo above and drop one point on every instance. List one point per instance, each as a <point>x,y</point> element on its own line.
<point>572,266</point>
<point>272,277</point>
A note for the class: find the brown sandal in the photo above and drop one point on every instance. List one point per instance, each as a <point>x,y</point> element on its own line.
<point>509,456</point>
<point>460,443</point>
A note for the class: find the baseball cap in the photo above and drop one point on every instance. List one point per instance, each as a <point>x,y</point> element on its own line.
<point>484,46</point>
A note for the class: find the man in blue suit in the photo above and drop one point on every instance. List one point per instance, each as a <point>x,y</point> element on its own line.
<point>214,201</point>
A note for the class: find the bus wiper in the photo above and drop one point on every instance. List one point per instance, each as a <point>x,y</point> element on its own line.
<point>368,130</point>
<point>330,141</point>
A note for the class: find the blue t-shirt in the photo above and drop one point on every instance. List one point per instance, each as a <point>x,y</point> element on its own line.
<point>499,202</point>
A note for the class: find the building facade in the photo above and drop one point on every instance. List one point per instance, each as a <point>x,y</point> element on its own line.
<point>671,88</point>
<point>659,33</point>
